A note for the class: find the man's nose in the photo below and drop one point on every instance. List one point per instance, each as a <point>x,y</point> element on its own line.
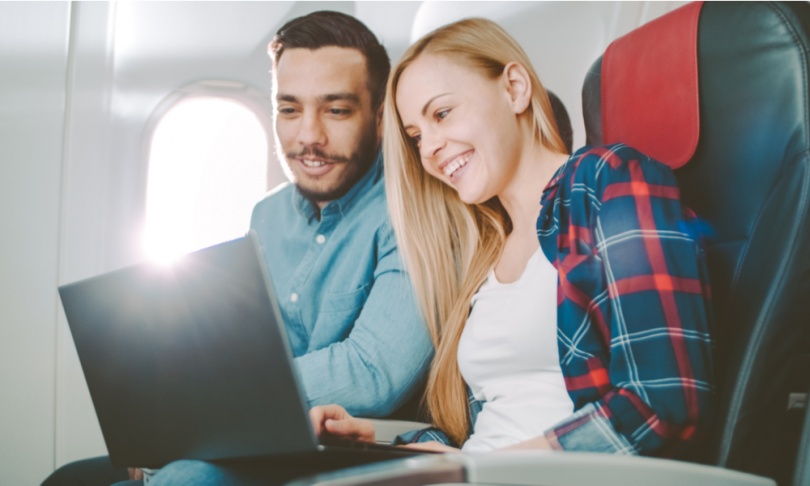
<point>311,130</point>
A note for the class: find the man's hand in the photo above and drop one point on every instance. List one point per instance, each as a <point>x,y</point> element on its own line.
<point>335,420</point>
<point>135,473</point>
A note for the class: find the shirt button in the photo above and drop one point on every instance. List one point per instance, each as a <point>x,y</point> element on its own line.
<point>320,239</point>
<point>293,297</point>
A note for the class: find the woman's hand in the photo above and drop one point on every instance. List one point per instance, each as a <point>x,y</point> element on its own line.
<point>538,443</point>
<point>335,420</point>
<point>431,446</point>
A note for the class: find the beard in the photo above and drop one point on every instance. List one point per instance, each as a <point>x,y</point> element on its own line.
<point>355,167</point>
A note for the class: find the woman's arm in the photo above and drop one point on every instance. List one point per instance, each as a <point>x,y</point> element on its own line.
<point>634,312</point>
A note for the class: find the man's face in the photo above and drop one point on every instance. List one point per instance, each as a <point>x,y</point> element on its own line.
<point>325,125</point>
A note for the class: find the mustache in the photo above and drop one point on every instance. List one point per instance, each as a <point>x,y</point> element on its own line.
<point>316,152</point>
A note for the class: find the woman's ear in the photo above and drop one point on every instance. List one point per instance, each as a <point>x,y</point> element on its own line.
<point>518,86</point>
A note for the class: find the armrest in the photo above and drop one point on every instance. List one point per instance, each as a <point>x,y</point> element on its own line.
<point>579,468</point>
<point>535,468</point>
<point>388,429</point>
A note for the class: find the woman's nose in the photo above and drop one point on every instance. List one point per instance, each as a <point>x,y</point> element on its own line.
<point>431,144</point>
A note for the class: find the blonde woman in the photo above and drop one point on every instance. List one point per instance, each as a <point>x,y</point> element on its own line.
<point>566,294</point>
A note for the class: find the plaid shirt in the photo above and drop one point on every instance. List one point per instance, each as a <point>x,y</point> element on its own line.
<point>633,311</point>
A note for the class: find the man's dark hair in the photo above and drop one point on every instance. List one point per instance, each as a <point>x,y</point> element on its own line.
<point>327,28</point>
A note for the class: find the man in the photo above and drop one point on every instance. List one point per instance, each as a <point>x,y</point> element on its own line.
<point>351,317</point>
<point>352,321</point>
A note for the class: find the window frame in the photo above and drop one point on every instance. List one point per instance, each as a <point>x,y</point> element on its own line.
<point>244,94</point>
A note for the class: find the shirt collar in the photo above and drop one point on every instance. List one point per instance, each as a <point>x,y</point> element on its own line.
<point>309,210</point>
<point>551,187</point>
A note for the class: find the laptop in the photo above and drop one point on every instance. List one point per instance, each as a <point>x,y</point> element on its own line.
<point>191,361</point>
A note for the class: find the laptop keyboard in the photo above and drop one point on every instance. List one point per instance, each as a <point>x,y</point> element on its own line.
<point>366,446</point>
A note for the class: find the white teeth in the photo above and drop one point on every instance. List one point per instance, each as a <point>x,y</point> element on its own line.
<point>455,165</point>
<point>313,163</point>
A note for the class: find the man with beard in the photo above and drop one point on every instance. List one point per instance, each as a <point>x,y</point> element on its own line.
<point>351,318</point>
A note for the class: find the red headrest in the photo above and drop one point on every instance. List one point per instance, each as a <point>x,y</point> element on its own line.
<point>650,87</point>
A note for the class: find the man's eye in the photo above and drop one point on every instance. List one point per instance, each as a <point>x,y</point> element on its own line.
<point>339,111</point>
<point>286,110</point>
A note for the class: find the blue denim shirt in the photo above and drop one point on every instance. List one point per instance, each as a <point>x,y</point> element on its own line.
<point>351,317</point>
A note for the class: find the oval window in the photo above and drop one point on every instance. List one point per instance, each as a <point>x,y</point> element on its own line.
<point>207,168</point>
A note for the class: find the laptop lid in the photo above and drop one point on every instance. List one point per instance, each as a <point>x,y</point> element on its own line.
<point>189,360</point>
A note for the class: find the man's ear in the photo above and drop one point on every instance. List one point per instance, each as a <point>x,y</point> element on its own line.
<point>518,86</point>
<point>379,119</point>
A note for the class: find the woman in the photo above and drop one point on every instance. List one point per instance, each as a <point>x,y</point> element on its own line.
<point>565,294</point>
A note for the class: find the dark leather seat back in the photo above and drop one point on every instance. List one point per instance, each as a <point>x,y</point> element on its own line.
<point>749,182</point>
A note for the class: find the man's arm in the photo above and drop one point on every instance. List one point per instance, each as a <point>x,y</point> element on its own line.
<point>386,354</point>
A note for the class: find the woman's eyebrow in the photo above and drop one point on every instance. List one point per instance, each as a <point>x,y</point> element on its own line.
<point>427,105</point>
<point>425,108</point>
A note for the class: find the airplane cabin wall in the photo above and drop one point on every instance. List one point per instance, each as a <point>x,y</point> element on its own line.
<point>83,84</point>
<point>33,64</point>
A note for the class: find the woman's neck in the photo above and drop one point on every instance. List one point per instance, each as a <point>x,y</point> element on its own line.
<point>521,196</point>
<point>521,199</point>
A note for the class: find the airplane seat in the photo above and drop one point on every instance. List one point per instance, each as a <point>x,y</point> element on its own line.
<point>725,101</point>
<point>720,92</point>
<point>563,120</point>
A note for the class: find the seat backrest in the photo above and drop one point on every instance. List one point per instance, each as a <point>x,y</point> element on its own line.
<point>748,180</point>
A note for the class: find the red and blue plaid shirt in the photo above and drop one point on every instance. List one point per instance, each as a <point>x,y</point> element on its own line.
<point>634,309</point>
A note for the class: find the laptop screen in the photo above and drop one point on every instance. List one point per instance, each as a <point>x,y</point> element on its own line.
<point>189,360</point>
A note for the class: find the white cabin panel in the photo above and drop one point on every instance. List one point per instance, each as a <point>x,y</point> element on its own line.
<point>33,63</point>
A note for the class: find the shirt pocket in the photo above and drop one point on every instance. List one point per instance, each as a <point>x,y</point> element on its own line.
<point>344,302</point>
<point>337,314</point>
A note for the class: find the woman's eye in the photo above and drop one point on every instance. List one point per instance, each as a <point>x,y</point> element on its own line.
<point>417,139</point>
<point>442,114</point>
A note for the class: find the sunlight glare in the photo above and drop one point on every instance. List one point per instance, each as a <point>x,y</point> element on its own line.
<point>207,168</point>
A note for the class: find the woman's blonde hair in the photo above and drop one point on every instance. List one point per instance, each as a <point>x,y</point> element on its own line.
<point>449,246</point>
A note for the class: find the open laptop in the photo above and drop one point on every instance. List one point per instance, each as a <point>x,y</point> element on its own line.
<point>191,361</point>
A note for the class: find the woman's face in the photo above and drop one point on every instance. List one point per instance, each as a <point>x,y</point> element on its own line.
<point>463,124</point>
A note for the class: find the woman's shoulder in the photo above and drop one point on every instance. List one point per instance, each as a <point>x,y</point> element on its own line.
<point>605,164</point>
<point>613,155</point>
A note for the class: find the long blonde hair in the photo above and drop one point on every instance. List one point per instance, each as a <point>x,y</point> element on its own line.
<point>449,246</point>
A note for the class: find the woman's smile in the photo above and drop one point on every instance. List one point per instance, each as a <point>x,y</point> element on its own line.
<point>452,166</point>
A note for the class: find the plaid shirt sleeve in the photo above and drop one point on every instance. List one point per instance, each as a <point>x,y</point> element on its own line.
<point>633,304</point>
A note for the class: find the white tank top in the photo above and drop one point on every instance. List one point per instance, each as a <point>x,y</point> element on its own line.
<point>508,356</point>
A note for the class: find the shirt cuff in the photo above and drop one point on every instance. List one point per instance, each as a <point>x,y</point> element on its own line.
<point>588,429</point>
<point>429,434</point>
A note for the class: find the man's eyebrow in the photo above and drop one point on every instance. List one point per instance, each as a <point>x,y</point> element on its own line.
<point>327,98</point>
<point>353,97</point>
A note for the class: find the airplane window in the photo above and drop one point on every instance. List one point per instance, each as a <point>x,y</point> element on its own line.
<point>207,168</point>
